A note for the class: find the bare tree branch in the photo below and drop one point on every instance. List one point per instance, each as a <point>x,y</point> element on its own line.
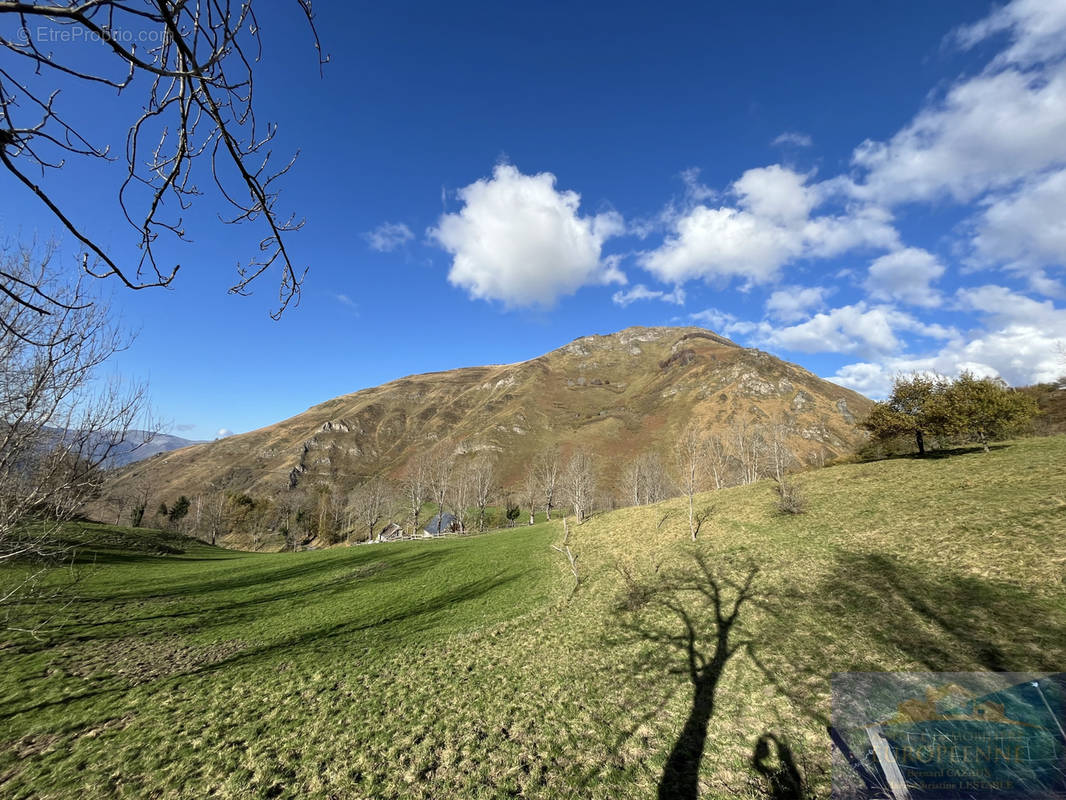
<point>198,107</point>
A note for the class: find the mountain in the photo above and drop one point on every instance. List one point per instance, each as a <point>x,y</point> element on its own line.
<point>140,445</point>
<point>616,395</point>
<point>135,446</point>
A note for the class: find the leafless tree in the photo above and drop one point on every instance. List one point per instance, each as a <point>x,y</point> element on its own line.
<point>290,516</point>
<point>462,486</point>
<point>778,455</point>
<point>645,481</point>
<point>439,466</point>
<point>217,519</point>
<point>117,502</point>
<point>139,490</point>
<point>579,484</point>
<point>633,483</point>
<point>547,467</point>
<point>718,461</point>
<point>531,491</point>
<point>196,118</point>
<point>371,503</point>
<point>570,557</point>
<point>483,485</point>
<point>748,448</point>
<point>415,487</point>
<point>690,462</point>
<point>331,514</point>
<point>60,423</point>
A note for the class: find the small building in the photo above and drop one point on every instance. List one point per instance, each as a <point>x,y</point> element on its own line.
<point>441,523</point>
<point>390,533</point>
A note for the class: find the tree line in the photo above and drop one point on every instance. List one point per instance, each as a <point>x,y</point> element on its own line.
<point>468,491</point>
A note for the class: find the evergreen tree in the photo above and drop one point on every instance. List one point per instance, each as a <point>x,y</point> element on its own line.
<point>179,510</point>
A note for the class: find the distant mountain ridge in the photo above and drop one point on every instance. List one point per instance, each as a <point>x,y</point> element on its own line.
<point>136,445</point>
<point>615,395</point>
<point>140,445</point>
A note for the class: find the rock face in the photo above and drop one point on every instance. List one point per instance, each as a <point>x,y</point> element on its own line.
<point>616,395</point>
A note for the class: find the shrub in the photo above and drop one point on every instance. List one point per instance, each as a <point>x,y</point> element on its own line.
<point>790,499</point>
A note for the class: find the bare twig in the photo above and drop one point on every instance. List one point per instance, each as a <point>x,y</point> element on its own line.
<point>570,557</point>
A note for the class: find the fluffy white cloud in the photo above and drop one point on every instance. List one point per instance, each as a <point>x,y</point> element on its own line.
<point>1026,229</point>
<point>519,240</point>
<point>905,275</point>
<point>1019,342</point>
<point>1005,124</point>
<point>793,138</point>
<point>990,131</point>
<point>721,243</point>
<point>641,292</point>
<point>795,302</point>
<point>777,194</point>
<point>856,328</point>
<point>388,236</point>
<point>223,433</point>
<point>771,226</point>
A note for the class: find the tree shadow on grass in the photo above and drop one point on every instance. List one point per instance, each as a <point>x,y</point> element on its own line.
<point>320,639</point>
<point>948,621</point>
<point>325,638</point>
<point>707,607</point>
<point>257,590</point>
<point>939,453</point>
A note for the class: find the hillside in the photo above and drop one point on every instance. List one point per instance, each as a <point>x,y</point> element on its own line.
<point>467,669</point>
<point>616,395</point>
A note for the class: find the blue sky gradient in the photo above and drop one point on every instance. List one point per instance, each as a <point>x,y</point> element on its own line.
<point>860,188</point>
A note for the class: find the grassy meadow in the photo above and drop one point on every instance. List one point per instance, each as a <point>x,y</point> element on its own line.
<point>472,668</point>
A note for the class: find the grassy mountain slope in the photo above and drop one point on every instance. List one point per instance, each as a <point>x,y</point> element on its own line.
<point>616,395</point>
<point>465,668</point>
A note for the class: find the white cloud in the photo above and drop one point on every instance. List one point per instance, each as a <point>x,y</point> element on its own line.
<point>770,227</point>
<point>989,130</point>
<point>721,243</point>
<point>905,276</point>
<point>388,236</point>
<point>1037,29</point>
<point>695,191</point>
<point>519,240</point>
<point>795,302</point>
<point>1026,229</point>
<point>1018,343</point>
<point>776,193</point>
<point>856,328</point>
<point>793,138</point>
<point>718,320</point>
<point>642,292</point>
<point>223,433</point>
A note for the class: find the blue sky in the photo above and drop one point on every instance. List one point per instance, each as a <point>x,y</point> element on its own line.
<point>859,188</point>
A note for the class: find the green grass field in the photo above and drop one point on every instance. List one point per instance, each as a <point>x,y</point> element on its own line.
<point>467,668</point>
